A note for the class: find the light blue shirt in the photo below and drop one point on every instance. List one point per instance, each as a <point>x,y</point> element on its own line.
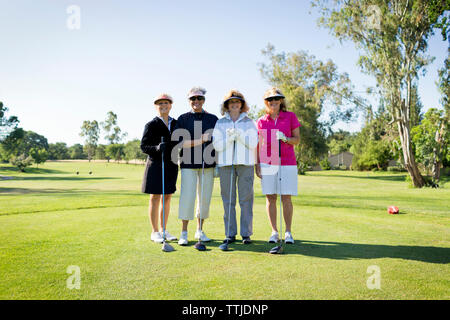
<point>169,121</point>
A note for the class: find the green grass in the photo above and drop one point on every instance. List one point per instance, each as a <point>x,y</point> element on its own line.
<point>51,218</point>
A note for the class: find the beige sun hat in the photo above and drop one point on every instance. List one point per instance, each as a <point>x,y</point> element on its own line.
<point>163,96</point>
<point>273,92</point>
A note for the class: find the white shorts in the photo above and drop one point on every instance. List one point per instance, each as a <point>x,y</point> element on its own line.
<point>270,182</point>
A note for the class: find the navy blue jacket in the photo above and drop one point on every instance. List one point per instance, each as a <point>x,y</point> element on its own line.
<point>187,121</point>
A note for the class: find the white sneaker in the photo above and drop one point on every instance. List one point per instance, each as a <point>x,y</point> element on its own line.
<point>288,238</point>
<point>200,234</point>
<point>274,237</point>
<point>156,237</point>
<point>183,239</point>
<point>169,237</point>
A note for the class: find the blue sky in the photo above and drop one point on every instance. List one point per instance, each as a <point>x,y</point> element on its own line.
<point>126,52</point>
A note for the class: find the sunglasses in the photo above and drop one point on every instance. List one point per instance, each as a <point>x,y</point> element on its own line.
<point>199,98</point>
<point>274,98</point>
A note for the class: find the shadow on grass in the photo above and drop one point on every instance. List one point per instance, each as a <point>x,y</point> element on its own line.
<point>344,251</point>
<point>66,192</point>
<point>63,178</point>
<point>398,177</point>
<point>31,170</point>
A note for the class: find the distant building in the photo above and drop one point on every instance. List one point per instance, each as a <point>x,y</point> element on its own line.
<point>341,159</point>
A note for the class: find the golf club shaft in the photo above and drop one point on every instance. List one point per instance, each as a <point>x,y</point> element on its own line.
<point>231,190</point>
<point>281,204</point>
<point>201,193</point>
<point>163,195</point>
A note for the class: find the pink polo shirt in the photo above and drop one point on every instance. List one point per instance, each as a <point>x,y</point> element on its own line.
<point>267,128</point>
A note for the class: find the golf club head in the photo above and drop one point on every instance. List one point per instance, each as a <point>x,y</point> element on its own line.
<point>200,246</point>
<point>276,250</point>
<point>224,246</point>
<point>167,247</point>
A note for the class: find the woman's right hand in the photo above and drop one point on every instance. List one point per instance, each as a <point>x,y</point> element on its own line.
<point>205,137</point>
<point>258,170</point>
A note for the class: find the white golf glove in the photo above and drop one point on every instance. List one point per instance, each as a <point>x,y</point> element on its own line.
<point>240,135</point>
<point>281,136</point>
<point>231,134</point>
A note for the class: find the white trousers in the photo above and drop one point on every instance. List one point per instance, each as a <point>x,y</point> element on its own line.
<point>191,188</point>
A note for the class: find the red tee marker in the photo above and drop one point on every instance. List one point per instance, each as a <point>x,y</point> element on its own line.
<point>393,210</point>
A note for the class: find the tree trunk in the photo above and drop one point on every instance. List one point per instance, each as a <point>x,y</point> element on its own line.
<point>408,155</point>
<point>436,170</point>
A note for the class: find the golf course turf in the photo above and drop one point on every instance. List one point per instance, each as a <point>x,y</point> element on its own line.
<point>51,218</point>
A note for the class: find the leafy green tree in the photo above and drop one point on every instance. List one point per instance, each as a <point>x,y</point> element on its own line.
<point>312,88</point>
<point>431,141</point>
<point>58,151</point>
<point>115,151</point>
<point>444,87</point>
<point>372,146</point>
<point>340,141</point>
<point>100,152</point>
<point>33,140</point>
<point>12,143</point>
<point>392,36</point>
<point>91,131</point>
<point>20,142</point>
<point>113,132</point>
<point>76,152</point>
<point>132,151</point>
<point>21,161</point>
<point>6,124</point>
<point>39,155</point>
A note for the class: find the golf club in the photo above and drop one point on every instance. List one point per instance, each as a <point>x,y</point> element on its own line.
<point>199,245</point>
<point>224,246</point>
<point>165,246</point>
<point>279,249</point>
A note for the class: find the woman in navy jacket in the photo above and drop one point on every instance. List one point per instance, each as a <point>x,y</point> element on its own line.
<point>153,145</point>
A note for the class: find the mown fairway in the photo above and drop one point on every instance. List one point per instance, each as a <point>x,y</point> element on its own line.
<point>51,218</point>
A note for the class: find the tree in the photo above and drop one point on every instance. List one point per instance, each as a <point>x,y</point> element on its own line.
<point>91,131</point>
<point>431,141</point>
<point>58,151</point>
<point>112,130</point>
<point>33,140</point>
<point>22,161</point>
<point>115,151</point>
<point>39,155</point>
<point>312,88</point>
<point>132,151</point>
<point>340,141</point>
<point>373,146</point>
<point>444,87</point>
<point>6,124</point>
<point>100,152</point>
<point>12,143</point>
<point>392,36</point>
<point>76,152</point>
<point>20,142</point>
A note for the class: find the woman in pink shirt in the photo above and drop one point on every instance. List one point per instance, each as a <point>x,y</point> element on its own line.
<point>278,124</point>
